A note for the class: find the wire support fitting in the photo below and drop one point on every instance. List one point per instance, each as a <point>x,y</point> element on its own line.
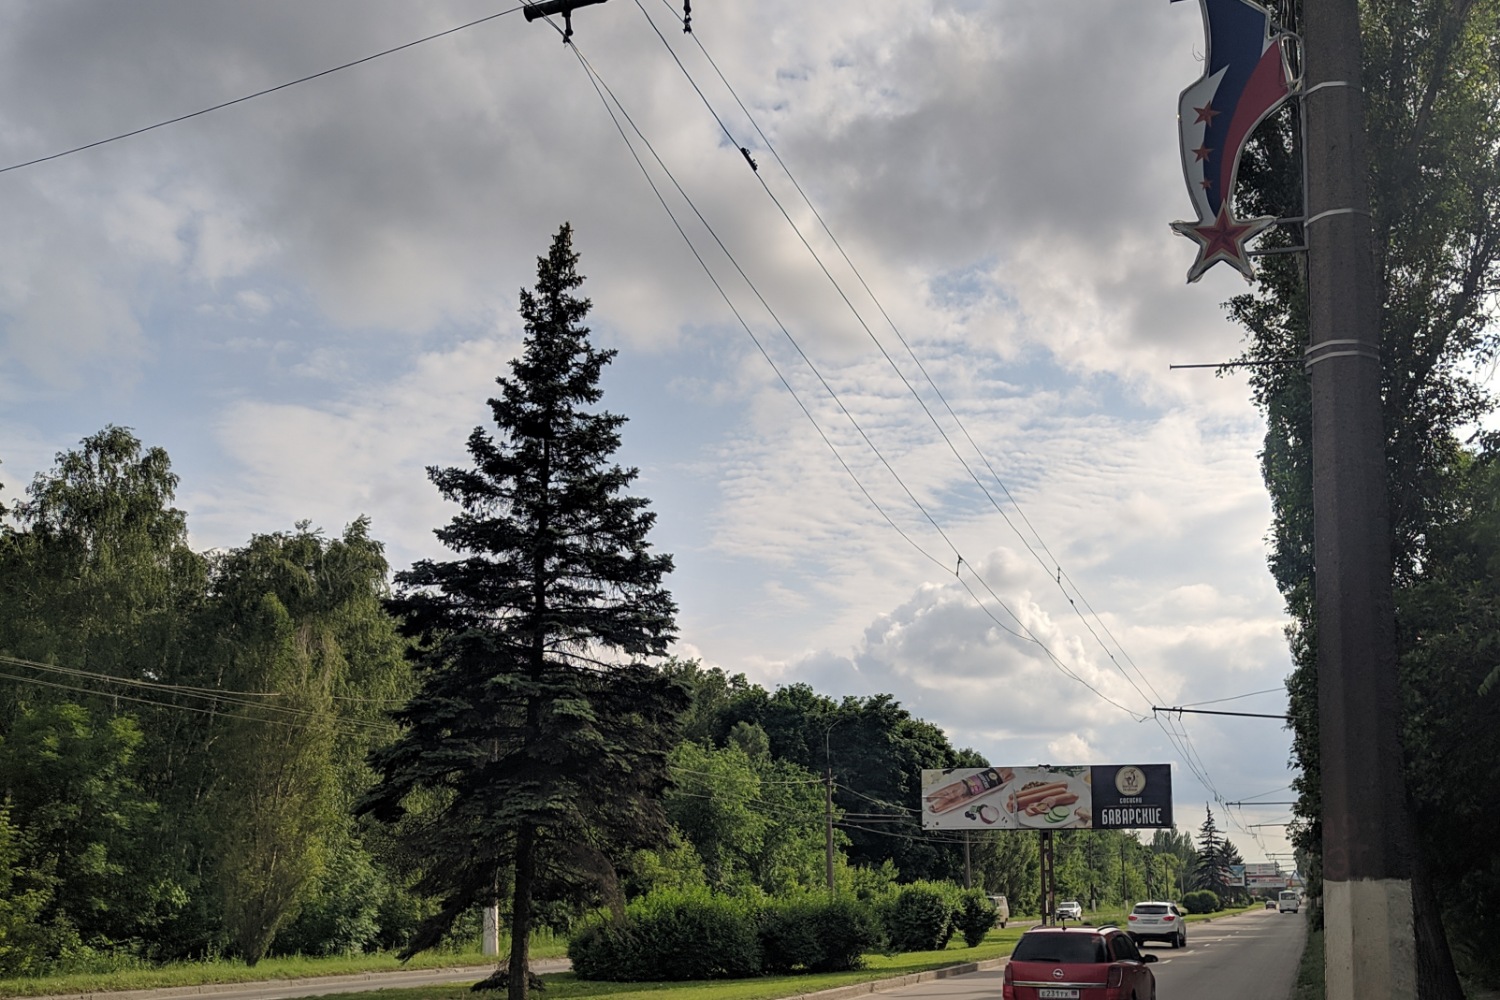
<point>1336,211</point>
<point>1326,83</point>
<point>1328,349</point>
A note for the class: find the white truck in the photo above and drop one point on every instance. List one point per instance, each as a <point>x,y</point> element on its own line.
<point>1288,901</point>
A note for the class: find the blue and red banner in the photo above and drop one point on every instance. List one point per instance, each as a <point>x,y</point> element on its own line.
<point>1245,79</point>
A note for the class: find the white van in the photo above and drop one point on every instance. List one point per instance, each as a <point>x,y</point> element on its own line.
<point>1002,910</point>
<point>1287,901</point>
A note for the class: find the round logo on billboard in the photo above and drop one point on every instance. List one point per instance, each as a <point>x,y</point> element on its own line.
<point>1130,781</point>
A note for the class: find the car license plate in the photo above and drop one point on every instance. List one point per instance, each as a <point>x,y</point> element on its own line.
<point>1053,993</point>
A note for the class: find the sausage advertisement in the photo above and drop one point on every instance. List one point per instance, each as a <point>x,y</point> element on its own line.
<point>1048,797</point>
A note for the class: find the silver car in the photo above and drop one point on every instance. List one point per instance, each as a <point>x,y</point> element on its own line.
<point>1157,921</point>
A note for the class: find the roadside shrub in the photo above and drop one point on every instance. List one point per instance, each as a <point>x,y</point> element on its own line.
<point>812,934</point>
<point>789,934</point>
<point>341,915</point>
<point>920,918</point>
<point>976,915</point>
<point>671,935</point>
<point>1202,901</point>
<point>845,929</point>
<point>602,948</point>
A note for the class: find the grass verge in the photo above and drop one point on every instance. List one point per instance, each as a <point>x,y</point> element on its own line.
<point>560,986</point>
<point>1310,972</point>
<point>227,970</point>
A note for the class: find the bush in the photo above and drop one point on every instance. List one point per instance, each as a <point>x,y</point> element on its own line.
<point>671,935</point>
<point>845,930</point>
<point>920,918</point>
<point>976,915</point>
<point>1202,901</point>
<point>789,935</point>
<point>696,935</point>
<point>341,917</point>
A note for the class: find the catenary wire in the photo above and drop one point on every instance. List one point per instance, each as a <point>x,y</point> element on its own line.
<point>602,88</point>
<point>259,93</point>
<point>338,724</point>
<point>1216,701</point>
<point>871,334</point>
<point>1179,738</point>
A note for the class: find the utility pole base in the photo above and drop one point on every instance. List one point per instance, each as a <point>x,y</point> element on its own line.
<point>490,943</point>
<point>1369,940</point>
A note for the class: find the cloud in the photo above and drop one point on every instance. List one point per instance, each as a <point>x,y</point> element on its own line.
<point>308,295</point>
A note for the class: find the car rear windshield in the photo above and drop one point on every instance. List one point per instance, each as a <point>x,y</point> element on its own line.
<point>1151,908</point>
<point>1062,948</point>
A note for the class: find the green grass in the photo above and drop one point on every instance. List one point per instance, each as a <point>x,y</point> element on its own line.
<point>235,971</point>
<point>560,986</point>
<point>1310,972</point>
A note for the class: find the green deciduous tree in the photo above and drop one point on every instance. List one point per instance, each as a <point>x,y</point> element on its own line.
<point>538,730</point>
<point>84,825</point>
<point>298,629</point>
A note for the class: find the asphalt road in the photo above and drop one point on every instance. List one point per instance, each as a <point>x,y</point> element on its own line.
<point>1250,956</point>
<point>1253,956</point>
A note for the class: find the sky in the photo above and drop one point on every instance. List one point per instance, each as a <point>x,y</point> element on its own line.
<point>899,395</point>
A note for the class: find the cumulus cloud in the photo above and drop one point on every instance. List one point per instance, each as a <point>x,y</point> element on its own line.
<point>306,297</point>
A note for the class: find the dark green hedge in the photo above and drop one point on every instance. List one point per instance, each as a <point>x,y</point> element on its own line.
<point>1202,901</point>
<point>695,934</point>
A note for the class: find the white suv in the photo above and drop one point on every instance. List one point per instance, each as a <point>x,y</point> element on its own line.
<point>1071,910</point>
<point>1157,921</point>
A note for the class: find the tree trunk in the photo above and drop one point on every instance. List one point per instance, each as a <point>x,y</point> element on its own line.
<point>1436,977</point>
<point>519,972</point>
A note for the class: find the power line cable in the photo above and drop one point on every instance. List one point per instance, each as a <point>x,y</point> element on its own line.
<point>1180,740</point>
<point>337,723</point>
<point>1252,694</point>
<point>259,93</point>
<point>602,88</point>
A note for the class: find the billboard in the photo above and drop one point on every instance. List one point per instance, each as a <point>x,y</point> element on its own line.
<point>1048,797</point>
<point>1267,881</point>
<point>1236,876</point>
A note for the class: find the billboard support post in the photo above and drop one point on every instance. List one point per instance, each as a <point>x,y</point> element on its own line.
<point>968,865</point>
<point>1049,889</point>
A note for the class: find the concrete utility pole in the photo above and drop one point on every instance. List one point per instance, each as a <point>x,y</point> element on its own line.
<point>1367,891</point>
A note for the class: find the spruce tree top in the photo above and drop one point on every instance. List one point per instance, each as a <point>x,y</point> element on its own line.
<point>556,555</point>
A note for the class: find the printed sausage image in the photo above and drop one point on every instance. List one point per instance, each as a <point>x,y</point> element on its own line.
<point>1034,792</point>
<point>966,790</point>
<point>1049,803</point>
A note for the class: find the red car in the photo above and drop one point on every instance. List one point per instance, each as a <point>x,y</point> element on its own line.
<point>1078,963</point>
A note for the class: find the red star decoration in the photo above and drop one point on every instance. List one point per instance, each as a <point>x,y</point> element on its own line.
<point>1206,113</point>
<point>1222,239</point>
<point>1206,184</point>
<point>1202,153</point>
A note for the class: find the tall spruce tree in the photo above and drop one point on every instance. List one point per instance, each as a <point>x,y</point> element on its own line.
<point>535,749</point>
<point>1209,868</point>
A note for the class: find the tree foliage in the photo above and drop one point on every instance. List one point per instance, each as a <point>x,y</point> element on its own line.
<point>538,726</point>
